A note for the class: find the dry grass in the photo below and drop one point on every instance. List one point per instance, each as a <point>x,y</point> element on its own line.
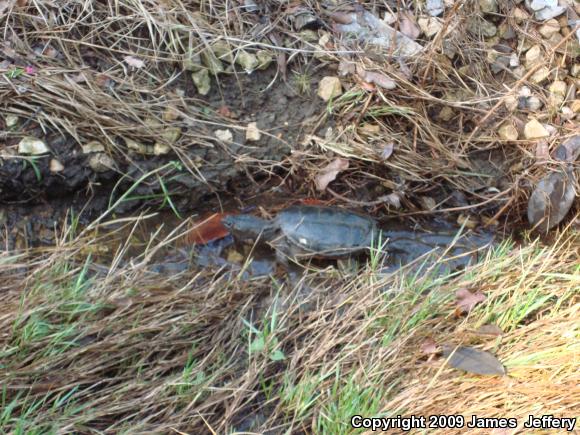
<point>117,349</point>
<point>83,88</point>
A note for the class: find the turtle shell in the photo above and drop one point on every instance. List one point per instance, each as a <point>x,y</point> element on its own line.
<point>326,231</point>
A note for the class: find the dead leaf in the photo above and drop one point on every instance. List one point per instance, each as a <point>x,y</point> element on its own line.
<point>542,151</point>
<point>387,150</point>
<point>103,81</point>
<point>369,87</point>
<point>379,79</point>
<point>408,26</point>
<point>370,129</point>
<point>206,230</point>
<point>341,17</point>
<point>134,62</point>
<point>466,300</point>
<point>311,201</point>
<point>225,111</point>
<point>493,330</point>
<point>569,151</point>
<point>329,173</point>
<point>429,347</point>
<point>473,360</point>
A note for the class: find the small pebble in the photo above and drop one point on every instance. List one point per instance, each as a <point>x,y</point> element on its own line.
<point>224,135</point>
<point>535,130</point>
<point>33,146</point>
<point>508,132</point>
<point>329,87</point>
<point>252,132</point>
<point>55,166</point>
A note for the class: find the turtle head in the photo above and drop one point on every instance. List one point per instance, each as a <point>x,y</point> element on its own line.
<point>246,226</point>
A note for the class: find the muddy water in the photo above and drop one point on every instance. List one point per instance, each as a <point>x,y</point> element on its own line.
<point>436,247</point>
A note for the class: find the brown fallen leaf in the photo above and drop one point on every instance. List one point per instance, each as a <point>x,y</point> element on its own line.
<point>408,26</point>
<point>225,111</point>
<point>542,151</point>
<point>329,173</point>
<point>493,330</point>
<point>467,300</point>
<point>380,80</point>
<point>206,230</point>
<point>473,360</point>
<point>375,78</point>
<point>341,17</point>
<point>134,62</point>
<point>429,346</point>
<point>552,199</point>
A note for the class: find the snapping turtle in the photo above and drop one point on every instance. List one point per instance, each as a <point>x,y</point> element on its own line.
<point>308,231</point>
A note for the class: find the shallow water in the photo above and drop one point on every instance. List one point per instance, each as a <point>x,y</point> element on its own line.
<point>436,246</point>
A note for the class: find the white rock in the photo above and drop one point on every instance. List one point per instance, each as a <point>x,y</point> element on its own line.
<point>520,15</point>
<point>171,134</point>
<point>265,58</point>
<point>549,28</point>
<point>202,81</point>
<point>511,103</point>
<point>536,5</point>
<point>252,132</point>
<point>430,26</point>
<point>545,9</point>
<point>435,7</point>
<point>224,135</point>
<point>567,113</point>
<point>525,91</point>
<point>248,61</point>
<point>514,60</point>
<point>160,149</point>
<point>488,29</point>
<point>555,39</point>
<point>390,18</point>
<point>93,147</point>
<point>11,120</point>
<point>33,146</point>
<point>535,130</point>
<point>136,146</point>
<point>329,87</point>
<point>550,129</point>
<point>534,103</point>
<point>557,92</point>
<point>546,13</point>
<point>558,87</point>
<point>55,166</point>
<point>488,6</point>
<point>508,132</point>
<point>534,55</point>
<point>540,75</point>
<point>101,162</point>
